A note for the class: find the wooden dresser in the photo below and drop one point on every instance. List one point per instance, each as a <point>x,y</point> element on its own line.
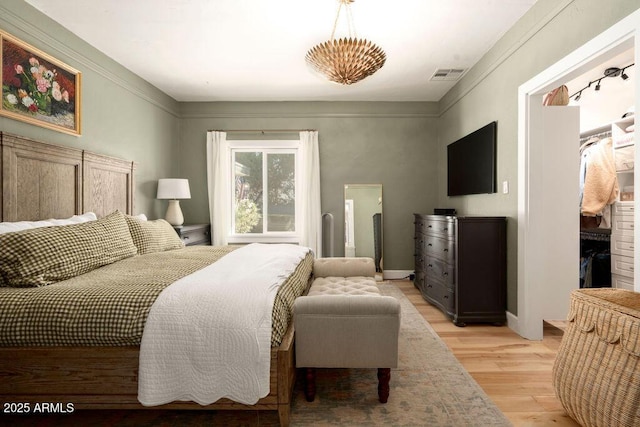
<point>460,266</point>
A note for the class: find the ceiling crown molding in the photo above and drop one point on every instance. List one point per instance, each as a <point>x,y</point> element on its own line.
<point>20,25</point>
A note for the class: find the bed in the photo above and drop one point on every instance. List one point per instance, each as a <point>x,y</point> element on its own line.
<point>40,181</point>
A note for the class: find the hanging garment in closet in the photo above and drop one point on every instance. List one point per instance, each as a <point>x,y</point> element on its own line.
<point>600,179</point>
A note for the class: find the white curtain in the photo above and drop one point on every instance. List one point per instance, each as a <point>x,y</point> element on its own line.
<point>217,180</point>
<point>310,200</point>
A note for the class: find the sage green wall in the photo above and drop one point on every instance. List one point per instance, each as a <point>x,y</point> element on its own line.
<point>122,115</point>
<point>489,91</point>
<point>393,144</point>
<point>400,145</point>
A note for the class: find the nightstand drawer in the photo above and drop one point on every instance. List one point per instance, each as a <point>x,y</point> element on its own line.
<point>198,234</point>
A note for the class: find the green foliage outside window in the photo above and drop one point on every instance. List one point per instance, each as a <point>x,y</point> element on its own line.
<point>247,215</point>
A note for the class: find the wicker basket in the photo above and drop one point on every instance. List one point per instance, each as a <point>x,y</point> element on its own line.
<point>596,374</point>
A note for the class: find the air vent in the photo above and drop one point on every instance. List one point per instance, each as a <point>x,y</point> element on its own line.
<point>447,74</point>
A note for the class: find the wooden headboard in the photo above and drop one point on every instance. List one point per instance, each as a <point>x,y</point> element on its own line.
<point>41,181</point>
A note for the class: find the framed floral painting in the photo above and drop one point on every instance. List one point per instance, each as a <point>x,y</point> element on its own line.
<point>37,88</point>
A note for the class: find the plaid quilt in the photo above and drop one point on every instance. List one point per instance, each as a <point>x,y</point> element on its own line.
<point>109,306</point>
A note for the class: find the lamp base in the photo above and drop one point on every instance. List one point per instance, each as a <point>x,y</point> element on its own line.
<point>174,213</point>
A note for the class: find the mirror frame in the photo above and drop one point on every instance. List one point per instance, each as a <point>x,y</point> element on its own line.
<point>378,257</point>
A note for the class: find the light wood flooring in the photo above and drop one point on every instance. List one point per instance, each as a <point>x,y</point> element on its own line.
<point>513,371</point>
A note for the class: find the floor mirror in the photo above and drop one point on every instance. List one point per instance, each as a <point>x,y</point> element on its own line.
<point>363,222</point>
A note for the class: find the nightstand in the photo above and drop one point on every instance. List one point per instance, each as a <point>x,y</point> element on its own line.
<point>195,234</point>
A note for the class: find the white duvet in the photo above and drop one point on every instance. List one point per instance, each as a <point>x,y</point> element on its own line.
<point>208,335</point>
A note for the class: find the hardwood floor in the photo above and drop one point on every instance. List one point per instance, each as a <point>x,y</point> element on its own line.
<point>513,371</point>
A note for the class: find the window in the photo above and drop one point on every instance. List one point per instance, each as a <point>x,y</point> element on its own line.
<point>265,182</point>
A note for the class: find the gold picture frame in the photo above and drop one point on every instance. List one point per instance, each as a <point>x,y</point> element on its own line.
<point>37,88</point>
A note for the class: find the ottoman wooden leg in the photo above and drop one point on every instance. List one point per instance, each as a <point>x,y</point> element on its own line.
<point>310,384</point>
<point>384,377</point>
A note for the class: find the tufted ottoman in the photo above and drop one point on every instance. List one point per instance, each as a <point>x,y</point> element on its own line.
<point>344,322</point>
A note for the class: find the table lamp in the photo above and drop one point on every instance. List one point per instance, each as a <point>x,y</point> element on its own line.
<point>173,189</point>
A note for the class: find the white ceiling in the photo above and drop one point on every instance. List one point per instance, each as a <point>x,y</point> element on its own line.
<point>253,50</point>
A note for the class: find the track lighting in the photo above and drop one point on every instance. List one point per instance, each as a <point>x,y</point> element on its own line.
<point>612,72</point>
<point>609,72</point>
<point>624,75</point>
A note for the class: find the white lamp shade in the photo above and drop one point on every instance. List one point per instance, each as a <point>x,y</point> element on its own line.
<point>173,188</point>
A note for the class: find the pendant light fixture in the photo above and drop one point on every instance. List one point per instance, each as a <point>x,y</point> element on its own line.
<point>347,60</point>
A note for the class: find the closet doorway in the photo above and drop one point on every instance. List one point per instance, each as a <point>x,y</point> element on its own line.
<point>607,126</point>
<point>548,187</point>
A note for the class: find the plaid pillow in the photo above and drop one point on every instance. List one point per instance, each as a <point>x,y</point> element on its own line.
<point>41,256</point>
<point>153,236</point>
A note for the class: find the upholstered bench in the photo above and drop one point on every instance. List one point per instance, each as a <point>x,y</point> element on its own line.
<point>344,322</point>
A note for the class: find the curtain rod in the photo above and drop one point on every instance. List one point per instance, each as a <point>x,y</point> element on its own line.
<point>263,131</point>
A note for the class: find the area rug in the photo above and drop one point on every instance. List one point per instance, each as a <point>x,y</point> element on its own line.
<point>429,388</point>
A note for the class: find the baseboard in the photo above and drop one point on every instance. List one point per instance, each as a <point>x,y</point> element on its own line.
<point>512,322</point>
<point>396,274</point>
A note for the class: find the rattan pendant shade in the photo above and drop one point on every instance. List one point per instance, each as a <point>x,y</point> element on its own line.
<point>346,60</point>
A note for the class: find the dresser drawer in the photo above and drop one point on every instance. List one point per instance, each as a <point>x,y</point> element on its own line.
<point>440,226</point>
<point>622,265</point>
<point>419,240</point>
<point>440,271</point>
<point>623,208</point>
<point>621,282</point>
<point>622,225</point>
<point>419,261</point>
<point>441,295</point>
<point>440,248</point>
<point>195,234</point>
<point>622,244</point>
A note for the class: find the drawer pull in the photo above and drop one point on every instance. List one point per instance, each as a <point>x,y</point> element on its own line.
<point>446,297</point>
<point>429,244</point>
<point>445,250</point>
<point>429,226</point>
<point>445,273</point>
<point>429,286</point>
<point>445,229</point>
<point>430,266</point>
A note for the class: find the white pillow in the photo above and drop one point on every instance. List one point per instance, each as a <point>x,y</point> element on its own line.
<point>8,227</point>
<point>141,217</point>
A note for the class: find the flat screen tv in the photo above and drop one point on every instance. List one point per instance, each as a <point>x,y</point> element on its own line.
<point>471,163</point>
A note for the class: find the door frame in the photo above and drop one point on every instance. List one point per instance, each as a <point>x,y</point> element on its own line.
<point>620,37</point>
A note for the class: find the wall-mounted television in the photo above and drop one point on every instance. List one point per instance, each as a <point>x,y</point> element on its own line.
<point>471,163</point>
